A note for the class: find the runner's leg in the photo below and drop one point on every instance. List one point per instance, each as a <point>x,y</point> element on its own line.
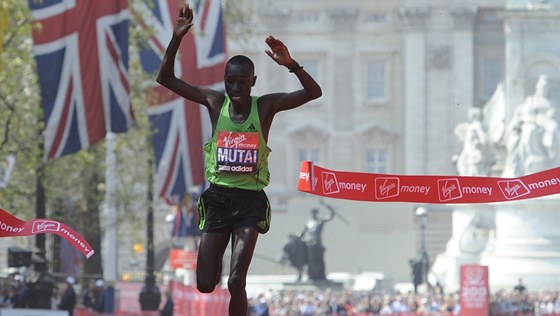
<point>209,261</point>
<point>244,240</point>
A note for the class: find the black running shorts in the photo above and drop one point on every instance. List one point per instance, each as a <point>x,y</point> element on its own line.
<point>224,209</point>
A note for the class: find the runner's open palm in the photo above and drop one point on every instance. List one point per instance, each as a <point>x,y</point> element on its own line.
<point>184,22</point>
<point>278,51</point>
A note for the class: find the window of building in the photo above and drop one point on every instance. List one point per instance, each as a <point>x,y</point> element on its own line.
<point>379,18</point>
<point>376,79</point>
<point>492,74</point>
<point>309,18</point>
<point>310,154</point>
<point>377,160</point>
<point>311,66</point>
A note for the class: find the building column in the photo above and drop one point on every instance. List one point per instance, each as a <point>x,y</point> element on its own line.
<point>414,19</point>
<point>343,23</point>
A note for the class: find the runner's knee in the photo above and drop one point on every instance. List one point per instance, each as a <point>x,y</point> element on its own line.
<point>205,285</point>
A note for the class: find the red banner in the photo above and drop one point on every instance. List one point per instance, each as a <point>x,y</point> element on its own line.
<point>13,226</point>
<point>473,295</point>
<point>179,258</point>
<point>188,301</point>
<point>375,187</point>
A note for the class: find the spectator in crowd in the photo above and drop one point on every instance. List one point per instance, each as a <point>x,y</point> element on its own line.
<point>398,306</point>
<point>19,292</point>
<point>99,305</point>
<point>87,297</point>
<point>92,296</point>
<point>520,287</point>
<point>68,298</point>
<point>261,307</point>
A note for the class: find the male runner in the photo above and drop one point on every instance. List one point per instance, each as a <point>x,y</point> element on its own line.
<point>235,205</point>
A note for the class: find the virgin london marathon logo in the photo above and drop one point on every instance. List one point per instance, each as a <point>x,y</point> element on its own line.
<point>474,275</point>
<point>386,187</point>
<point>449,189</point>
<point>330,184</point>
<point>45,226</point>
<point>512,189</point>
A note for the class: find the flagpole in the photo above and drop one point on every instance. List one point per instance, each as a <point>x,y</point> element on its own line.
<point>110,231</point>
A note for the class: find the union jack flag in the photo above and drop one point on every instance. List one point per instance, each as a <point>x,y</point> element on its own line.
<point>185,225</point>
<point>81,51</point>
<point>181,126</point>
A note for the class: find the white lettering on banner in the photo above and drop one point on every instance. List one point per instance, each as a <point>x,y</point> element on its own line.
<point>352,186</point>
<point>304,175</point>
<point>387,187</point>
<point>40,226</point>
<point>474,296</point>
<point>75,239</point>
<point>477,190</point>
<point>9,228</point>
<point>449,189</point>
<point>544,183</point>
<point>512,189</point>
<point>330,183</point>
<point>424,189</point>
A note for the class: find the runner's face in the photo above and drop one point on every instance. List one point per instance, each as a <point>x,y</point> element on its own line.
<point>239,80</point>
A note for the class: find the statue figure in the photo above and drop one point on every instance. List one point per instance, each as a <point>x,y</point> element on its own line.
<point>306,248</point>
<point>531,137</point>
<point>476,157</point>
<point>311,236</point>
<point>295,253</point>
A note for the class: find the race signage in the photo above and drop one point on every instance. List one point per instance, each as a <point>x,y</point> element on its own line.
<point>473,294</point>
<point>374,187</point>
<point>237,152</point>
<point>12,226</point>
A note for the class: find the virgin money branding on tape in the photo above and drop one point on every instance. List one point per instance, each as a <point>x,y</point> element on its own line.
<point>374,187</point>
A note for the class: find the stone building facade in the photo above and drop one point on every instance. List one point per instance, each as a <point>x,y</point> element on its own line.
<point>397,77</point>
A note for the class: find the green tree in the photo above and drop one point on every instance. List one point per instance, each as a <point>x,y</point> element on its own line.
<point>74,186</point>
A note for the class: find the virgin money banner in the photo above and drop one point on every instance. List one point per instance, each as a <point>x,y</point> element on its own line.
<point>473,294</point>
<point>12,226</point>
<point>375,187</point>
<point>185,259</point>
<point>190,302</point>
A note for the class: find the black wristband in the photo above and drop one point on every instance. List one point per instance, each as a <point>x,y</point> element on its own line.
<point>296,68</point>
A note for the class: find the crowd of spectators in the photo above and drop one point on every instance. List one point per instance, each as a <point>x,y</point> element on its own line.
<point>330,302</point>
<point>325,302</point>
<point>15,292</point>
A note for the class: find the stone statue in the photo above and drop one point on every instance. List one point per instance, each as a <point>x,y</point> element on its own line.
<point>476,157</point>
<point>295,253</point>
<point>311,236</point>
<point>531,138</point>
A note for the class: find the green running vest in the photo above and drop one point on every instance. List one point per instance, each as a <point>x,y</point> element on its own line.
<point>237,154</point>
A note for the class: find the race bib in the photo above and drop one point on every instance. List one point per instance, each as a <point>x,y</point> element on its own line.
<point>237,151</point>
